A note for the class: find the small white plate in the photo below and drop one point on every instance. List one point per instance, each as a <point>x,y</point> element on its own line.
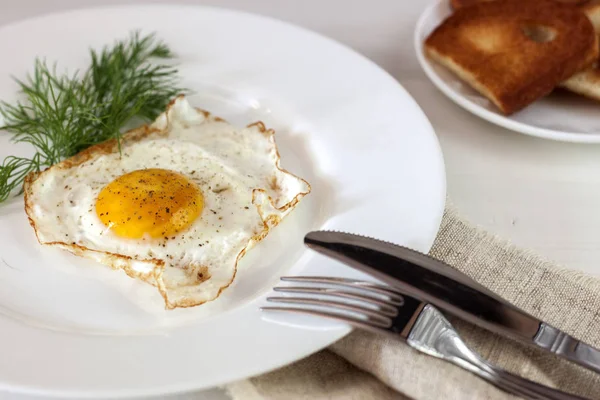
<point>70,327</point>
<point>561,116</point>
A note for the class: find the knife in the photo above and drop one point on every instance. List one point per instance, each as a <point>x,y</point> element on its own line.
<point>434,282</point>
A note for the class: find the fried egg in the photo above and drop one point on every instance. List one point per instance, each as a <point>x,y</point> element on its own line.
<point>177,205</point>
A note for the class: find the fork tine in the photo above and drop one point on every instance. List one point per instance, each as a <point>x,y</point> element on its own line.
<point>386,307</point>
<point>393,294</point>
<point>337,305</point>
<point>356,322</point>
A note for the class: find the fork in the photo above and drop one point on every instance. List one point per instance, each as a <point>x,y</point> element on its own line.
<point>382,309</point>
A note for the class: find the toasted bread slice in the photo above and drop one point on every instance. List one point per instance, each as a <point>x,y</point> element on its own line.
<point>495,48</point>
<point>587,82</point>
<point>590,7</point>
<point>592,10</point>
<point>456,4</point>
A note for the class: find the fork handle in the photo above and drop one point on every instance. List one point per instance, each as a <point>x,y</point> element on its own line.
<point>433,334</point>
<point>512,383</point>
<point>526,388</point>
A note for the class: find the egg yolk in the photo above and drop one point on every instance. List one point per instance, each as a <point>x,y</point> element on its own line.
<point>156,202</point>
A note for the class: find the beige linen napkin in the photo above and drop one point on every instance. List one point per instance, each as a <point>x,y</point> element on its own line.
<point>369,366</point>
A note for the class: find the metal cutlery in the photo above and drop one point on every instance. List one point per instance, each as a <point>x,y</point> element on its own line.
<point>438,284</point>
<point>383,309</point>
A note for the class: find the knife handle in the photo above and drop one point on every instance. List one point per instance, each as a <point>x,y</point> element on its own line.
<point>560,343</point>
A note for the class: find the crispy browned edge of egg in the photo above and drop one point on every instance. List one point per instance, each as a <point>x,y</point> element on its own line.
<point>155,276</point>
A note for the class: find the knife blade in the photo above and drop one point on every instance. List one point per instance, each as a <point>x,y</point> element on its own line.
<point>435,282</point>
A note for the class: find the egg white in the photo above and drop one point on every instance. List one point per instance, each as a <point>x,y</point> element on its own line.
<point>237,170</point>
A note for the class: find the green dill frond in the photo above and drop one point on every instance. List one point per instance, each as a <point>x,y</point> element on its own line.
<point>64,114</point>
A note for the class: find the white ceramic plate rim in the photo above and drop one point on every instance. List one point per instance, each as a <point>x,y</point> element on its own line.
<point>331,333</point>
<point>482,112</point>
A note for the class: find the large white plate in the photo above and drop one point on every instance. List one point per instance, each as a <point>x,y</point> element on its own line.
<point>561,116</point>
<point>69,327</point>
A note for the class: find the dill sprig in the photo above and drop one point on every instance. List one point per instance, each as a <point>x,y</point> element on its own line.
<point>63,114</point>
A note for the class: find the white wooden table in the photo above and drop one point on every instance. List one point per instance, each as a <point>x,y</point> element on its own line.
<point>540,194</point>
